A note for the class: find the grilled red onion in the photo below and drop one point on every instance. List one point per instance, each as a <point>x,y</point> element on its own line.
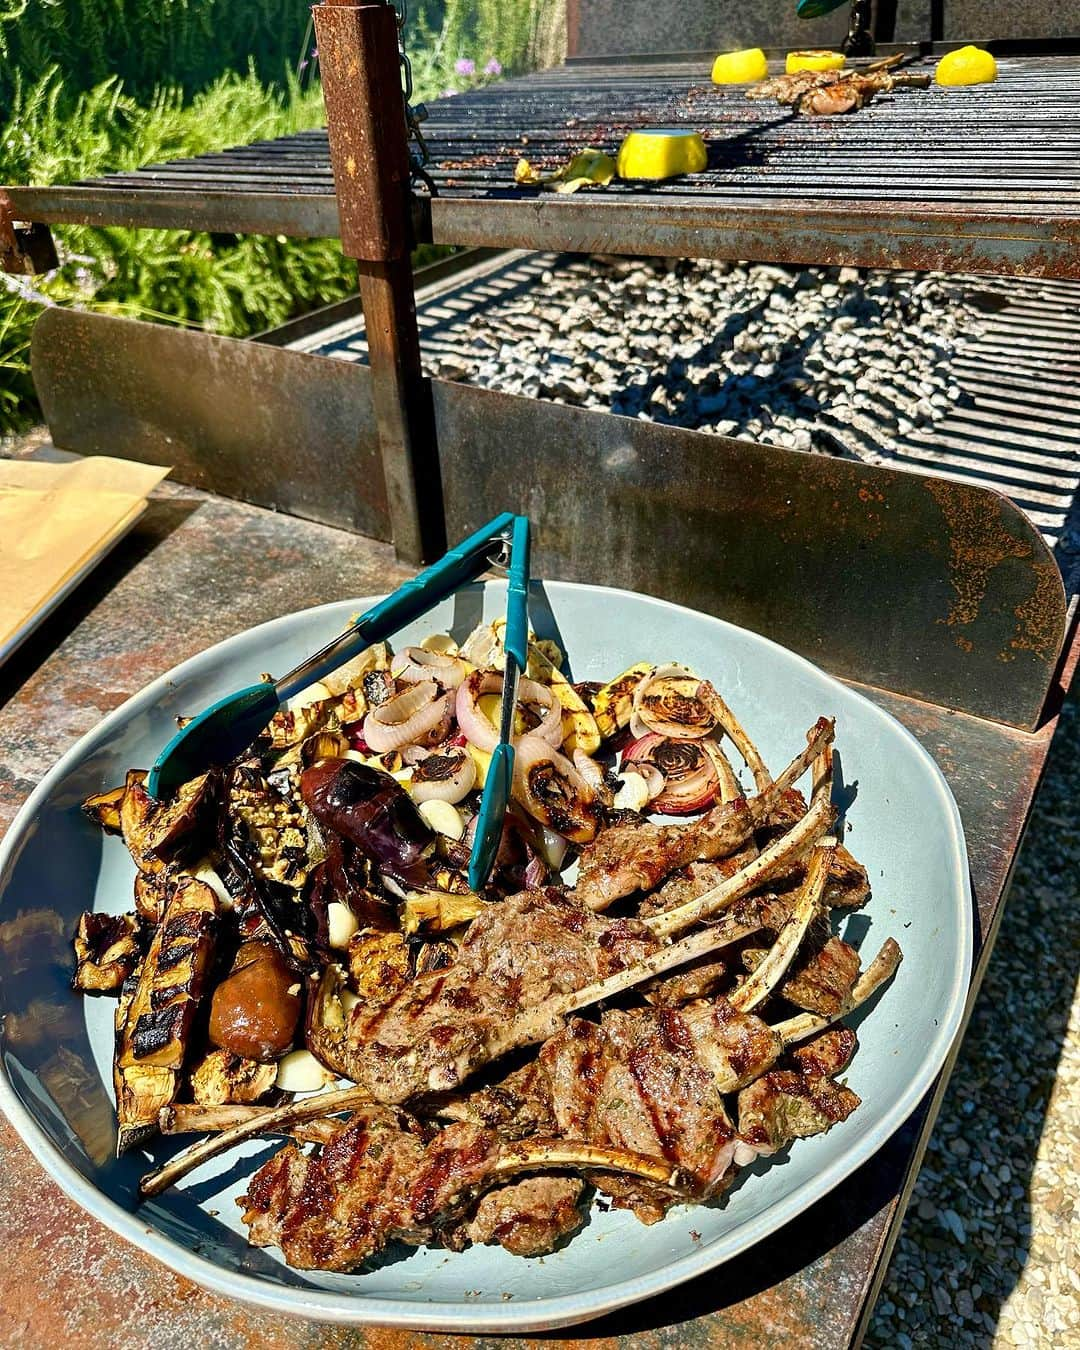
<point>446,671</point>
<point>690,779</point>
<point>553,791</point>
<point>666,702</point>
<point>479,729</point>
<point>443,778</point>
<point>406,718</point>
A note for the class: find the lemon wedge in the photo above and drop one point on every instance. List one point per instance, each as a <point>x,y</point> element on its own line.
<point>661,153</point>
<point>740,67</point>
<point>814,61</point>
<point>967,65</point>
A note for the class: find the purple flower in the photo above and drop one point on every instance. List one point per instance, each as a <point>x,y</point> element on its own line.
<point>314,53</point>
<point>493,67</point>
<point>302,66</point>
<point>464,66</point>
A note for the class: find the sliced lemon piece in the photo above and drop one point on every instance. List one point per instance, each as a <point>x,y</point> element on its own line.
<point>814,61</point>
<point>967,65</point>
<point>740,67</point>
<point>662,152</point>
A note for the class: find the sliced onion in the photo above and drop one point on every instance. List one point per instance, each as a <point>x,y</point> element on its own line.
<point>406,718</point>
<point>447,671</point>
<point>536,873</point>
<point>553,791</point>
<point>479,729</point>
<point>593,774</point>
<point>690,779</point>
<point>413,754</point>
<point>443,778</point>
<point>666,702</point>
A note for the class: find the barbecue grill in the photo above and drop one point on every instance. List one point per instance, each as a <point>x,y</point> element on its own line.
<point>939,598</point>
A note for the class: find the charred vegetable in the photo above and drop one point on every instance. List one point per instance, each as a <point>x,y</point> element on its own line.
<point>222,1078</point>
<point>691,782</point>
<point>107,950</point>
<point>371,810</point>
<point>668,702</point>
<point>553,791</point>
<point>379,965</point>
<point>152,891</point>
<point>156,832</point>
<point>255,1009</point>
<point>613,705</point>
<point>155,1020</point>
<point>103,808</point>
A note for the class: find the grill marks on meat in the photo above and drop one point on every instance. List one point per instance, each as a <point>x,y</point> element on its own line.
<point>695,879</point>
<point>434,1033</point>
<point>636,857</point>
<point>822,980</point>
<point>528,1217</point>
<point>787,1104</point>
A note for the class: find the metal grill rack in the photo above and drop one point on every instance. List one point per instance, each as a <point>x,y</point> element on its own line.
<point>937,597</point>
<point>984,179</point>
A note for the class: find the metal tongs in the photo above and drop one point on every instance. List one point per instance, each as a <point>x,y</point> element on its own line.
<point>228,727</point>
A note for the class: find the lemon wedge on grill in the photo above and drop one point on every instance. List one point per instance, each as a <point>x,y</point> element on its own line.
<point>967,65</point>
<point>814,61</point>
<point>662,152</point>
<point>740,67</point>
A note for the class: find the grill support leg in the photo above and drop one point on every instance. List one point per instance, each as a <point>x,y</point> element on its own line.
<point>24,249</point>
<point>365,112</point>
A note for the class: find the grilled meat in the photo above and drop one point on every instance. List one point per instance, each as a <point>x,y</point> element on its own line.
<point>787,1104</point>
<point>822,980</point>
<point>826,93</point>
<point>530,1217</point>
<point>636,857</point>
<point>695,879</point>
<point>443,1025</point>
<point>378,1180</point>
<point>107,950</point>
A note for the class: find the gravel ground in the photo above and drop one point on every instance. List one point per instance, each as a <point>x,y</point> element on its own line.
<point>988,1254</point>
<point>829,359</point>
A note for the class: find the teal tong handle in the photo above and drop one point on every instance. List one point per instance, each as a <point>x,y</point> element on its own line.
<point>500,774</point>
<point>463,563</point>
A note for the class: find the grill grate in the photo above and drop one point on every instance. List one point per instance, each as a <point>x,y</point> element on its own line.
<point>938,161</point>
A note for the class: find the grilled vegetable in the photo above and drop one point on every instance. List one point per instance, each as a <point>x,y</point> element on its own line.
<point>152,892</point>
<point>369,809</point>
<point>668,702</point>
<point>222,1078</point>
<point>579,728</point>
<point>156,832</point>
<point>439,911</point>
<point>255,1009</point>
<point>379,964</point>
<point>270,821</point>
<point>613,705</point>
<point>154,1020</point>
<point>103,808</point>
<point>107,950</point>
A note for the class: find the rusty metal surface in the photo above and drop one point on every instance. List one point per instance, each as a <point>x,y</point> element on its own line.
<point>24,249</point>
<point>361,84</point>
<point>195,571</point>
<point>365,113</point>
<point>982,179</point>
<point>248,420</point>
<point>941,590</point>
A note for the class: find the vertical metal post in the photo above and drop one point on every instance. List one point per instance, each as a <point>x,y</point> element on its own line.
<point>365,113</point>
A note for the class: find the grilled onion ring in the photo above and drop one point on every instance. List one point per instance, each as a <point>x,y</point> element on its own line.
<point>406,718</point>
<point>691,782</point>
<point>553,792</point>
<point>446,671</point>
<point>478,728</point>
<point>666,702</point>
<point>443,778</point>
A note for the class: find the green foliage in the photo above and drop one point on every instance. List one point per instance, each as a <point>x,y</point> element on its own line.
<point>53,128</point>
<point>189,42</point>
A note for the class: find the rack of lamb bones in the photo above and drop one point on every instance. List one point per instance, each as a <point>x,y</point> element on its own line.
<point>645,1032</point>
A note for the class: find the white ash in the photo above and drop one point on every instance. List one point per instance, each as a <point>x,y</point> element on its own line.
<point>827,359</point>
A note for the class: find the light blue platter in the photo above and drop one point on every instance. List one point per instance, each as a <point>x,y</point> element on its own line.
<point>56,1047</point>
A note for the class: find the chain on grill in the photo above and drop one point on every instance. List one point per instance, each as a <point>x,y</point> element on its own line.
<point>414,114</point>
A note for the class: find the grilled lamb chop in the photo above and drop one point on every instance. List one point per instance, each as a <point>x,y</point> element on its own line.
<point>787,1104</point>
<point>636,857</point>
<point>822,980</point>
<point>528,1218</point>
<point>378,1180</point>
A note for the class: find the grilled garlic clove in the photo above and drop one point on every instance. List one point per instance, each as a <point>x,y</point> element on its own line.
<point>341,924</point>
<point>443,817</point>
<point>300,1071</point>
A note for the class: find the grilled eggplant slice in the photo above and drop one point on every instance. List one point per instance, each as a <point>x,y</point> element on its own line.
<point>103,808</point>
<point>152,892</point>
<point>155,832</point>
<point>379,964</point>
<point>155,1020</point>
<point>222,1078</point>
<point>107,950</point>
<point>276,827</point>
